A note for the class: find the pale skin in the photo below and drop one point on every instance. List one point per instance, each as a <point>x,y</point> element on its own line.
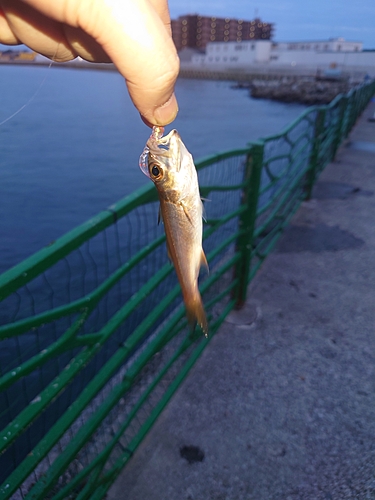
<point>134,34</point>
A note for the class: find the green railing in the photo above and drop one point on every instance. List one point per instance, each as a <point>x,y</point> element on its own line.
<point>94,340</point>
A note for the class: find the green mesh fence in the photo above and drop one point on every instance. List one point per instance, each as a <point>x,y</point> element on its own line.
<point>93,334</point>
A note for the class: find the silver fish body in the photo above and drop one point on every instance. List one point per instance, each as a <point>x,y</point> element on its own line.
<point>167,162</point>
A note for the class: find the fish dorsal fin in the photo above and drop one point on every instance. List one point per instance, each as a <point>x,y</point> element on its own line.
<point>204,262</point>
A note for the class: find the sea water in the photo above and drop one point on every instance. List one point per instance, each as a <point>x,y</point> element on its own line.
<point>73,147</point>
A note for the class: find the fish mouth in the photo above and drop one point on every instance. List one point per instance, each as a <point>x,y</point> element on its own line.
<point>159,147</point>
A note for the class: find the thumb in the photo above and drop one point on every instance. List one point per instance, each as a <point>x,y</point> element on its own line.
<point>137,41</point>
<point>136,37</point>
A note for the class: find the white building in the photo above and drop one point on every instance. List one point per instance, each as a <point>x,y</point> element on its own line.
<point>332,45</point>
<point>234,53</point>
<point>295,56</point>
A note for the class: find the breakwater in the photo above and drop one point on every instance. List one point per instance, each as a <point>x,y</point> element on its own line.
<point>284,85</point>
<point>301,90</point>
<point>244,74</point>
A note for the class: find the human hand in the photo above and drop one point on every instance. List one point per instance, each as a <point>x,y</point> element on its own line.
<point>134,34</point>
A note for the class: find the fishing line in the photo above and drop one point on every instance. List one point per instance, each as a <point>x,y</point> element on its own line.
<point>35,93</point>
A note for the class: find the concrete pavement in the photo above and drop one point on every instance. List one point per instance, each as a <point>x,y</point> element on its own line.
<point>284,408</point>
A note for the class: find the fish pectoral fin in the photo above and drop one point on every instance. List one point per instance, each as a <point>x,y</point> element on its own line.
<point>204,210</point>
<point>186,212</point>
<point>169,254</point>
<point>203,261</point>
<point>160,216</point>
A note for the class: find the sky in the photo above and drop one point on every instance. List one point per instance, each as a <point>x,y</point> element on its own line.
<point>295,20</point>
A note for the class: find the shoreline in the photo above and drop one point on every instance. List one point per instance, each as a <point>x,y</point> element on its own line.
<point>239,74</point>
<point>69,64</point>
<point>282,84</point>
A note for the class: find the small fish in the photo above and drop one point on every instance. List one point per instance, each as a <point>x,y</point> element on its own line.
<point>167,162</point>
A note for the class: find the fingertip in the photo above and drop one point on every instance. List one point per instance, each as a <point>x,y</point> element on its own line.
<point>165,114</point>
<point>145,121</point>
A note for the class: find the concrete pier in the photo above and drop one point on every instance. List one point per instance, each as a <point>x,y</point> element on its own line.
<point>281,405</point>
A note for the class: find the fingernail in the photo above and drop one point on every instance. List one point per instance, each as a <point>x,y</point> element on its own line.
<point>166,113</point>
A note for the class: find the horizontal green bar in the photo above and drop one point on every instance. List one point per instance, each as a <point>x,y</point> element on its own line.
<point>274,158</point>
<point>335,102</point>
<point>28,415</point>
<point>206,190</point>
<point>275,233</point>
<point>34,265</point>
<point>110,476</point>
<point>77,407</point>
<point>224,292</point>
<point>65,341</point>
<point>30,268</point>
<point>291,187</point>
<point>87,302</point>
<point>85,432</point>
<point>61,345</point>
<point>292,156</point>
<point>288,210</point>
<point>282,188</point>
<point>90,300</point>
<point>215,158</point>
<point>104,454</point>
<point>291,126</point>
<point>49,441</point>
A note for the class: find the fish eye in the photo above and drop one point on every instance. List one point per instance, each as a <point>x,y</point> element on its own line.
<point>155,171</point>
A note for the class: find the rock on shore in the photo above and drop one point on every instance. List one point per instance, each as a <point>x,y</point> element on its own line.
<point>301,91</point>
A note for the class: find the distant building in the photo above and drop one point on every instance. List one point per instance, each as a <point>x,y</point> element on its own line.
<point>233,54</point>
<point>331,45</point>
<point>12,55</point>
<point>9,55</point>
<point>26,56</point>
<point>196,31</point>
<point>309,56</point>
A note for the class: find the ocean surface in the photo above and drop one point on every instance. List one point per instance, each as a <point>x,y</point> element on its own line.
<point>73,147</point>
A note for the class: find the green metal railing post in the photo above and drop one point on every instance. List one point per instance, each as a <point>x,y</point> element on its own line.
<point>354,109</point>
<point>314,158</point>
<point>247,219</point>
<point>340,125</point>
<point>349,107</point>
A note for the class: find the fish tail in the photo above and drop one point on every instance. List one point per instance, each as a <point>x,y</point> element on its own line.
<point>195,312</point>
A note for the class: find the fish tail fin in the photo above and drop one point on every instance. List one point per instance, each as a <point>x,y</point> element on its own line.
<point>195,312</point>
